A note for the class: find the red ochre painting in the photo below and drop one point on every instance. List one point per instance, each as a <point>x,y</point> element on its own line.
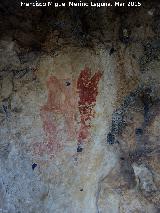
<point>87,86</point>
<point>58,115</point>
<point>65,99</point>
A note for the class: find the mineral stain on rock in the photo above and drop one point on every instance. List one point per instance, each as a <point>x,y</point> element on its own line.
<point>139,131</point>
<point>110,138</point>
<point>87,86</point>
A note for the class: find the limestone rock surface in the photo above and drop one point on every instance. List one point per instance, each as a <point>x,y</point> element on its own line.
<point>80,111</point>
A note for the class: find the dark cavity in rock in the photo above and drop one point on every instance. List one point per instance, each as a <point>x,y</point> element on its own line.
<point>68,83</point>
<point>139,131</point>
<point>79,149</point>
<point>34,165</point>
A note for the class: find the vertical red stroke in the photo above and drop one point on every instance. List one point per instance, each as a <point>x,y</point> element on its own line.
<point>87,86</point>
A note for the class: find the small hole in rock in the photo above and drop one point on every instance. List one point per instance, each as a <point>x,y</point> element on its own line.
<point>112,50</point>
<point>79,149</point>
<point>34,165</point>
<point>81,190</point>
<point>122,158</point>
<point>68,83</point>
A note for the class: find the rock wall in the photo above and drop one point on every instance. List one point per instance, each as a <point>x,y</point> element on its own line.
<point>79,116</point>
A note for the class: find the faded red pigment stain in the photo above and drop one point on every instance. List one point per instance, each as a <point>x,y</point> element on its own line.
<point>87,86</point>
<point>61,104</point>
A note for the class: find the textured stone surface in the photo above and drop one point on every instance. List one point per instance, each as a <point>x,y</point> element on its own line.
<point>79,112</point>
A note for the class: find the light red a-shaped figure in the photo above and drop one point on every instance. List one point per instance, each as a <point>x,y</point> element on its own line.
<point>58,115</point>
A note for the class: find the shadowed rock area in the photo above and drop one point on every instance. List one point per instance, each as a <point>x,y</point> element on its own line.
<point>79,109</point>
